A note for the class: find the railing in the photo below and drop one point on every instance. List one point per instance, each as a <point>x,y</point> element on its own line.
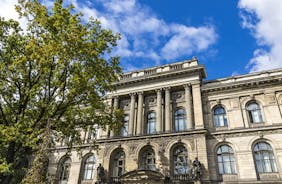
<point>181,177</point>
<point>115,180</point>
<point>176,67</point>
<point>149,72</point>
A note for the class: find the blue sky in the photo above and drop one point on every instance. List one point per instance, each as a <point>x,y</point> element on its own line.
<point>229,37</point>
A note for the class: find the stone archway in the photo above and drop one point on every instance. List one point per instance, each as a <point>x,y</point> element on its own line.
<point>142,177</point>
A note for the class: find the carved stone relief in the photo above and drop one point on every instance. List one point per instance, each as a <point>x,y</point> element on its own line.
<point>125,104</point>
<point>151,100</point>
<point>178,96</point>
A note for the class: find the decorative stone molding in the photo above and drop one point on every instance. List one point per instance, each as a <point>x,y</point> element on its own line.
<point>178,96</point>
<point>269,176</point>
<point>125,104</point>
<point>229,177</point>
<point>151,100</point>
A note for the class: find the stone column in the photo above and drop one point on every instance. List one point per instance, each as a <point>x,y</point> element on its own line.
<point>159,111</point>
<point>106,133</point>
<point>197,103</point>
<point>115,102</point>
<point>140,113</point>
<point>189,108</point>
<point>132,113</point>
<point>167,110</point>
<point>115,107</point>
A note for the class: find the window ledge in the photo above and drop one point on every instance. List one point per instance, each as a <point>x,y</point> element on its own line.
<point>269,176</point>
<point>259,124</point>
<point>221,128</point>
<point>229,177</point>
<point>87,181</point>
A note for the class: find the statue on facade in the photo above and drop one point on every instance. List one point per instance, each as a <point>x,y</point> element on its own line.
<point>101,174</point>
<point>196,171</point>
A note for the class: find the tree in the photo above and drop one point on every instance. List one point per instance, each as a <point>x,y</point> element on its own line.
<point>54,74</point>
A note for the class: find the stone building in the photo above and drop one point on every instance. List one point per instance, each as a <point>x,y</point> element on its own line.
<point>232,125</point>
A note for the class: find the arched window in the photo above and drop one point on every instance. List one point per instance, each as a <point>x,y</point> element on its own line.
<point>88,168</point>
<point>219,117</point>
<point>264,158</point>
<point>180,160</point>
<point>226,160</point>
<point>147,159</point>
<point>151,123</point>
<point>117,163</point>
<point>124,129</point>
<point>254,112</point>
<point>64,169</point>
<point>180,120</point>
<point>92,133</point>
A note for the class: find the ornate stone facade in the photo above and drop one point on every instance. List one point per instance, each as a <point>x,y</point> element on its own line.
<point>232,125</point>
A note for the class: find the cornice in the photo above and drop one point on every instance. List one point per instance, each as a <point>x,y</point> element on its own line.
<point>194,70</point>
<point>233,84</point>
<point>256,130</point>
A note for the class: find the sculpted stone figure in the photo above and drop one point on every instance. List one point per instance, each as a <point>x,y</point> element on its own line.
<point>196,169</point>
<point>101,173</point>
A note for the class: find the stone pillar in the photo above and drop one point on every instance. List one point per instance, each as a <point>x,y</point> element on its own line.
<point>115,107</point>
<point>132,113</point>
<point>106,133</point>
<point>197,103</point>
<point>188,105</point>
<point>167,110</point>
<point>115,102</point>
<point>159,111</point>
<point>140,113</point>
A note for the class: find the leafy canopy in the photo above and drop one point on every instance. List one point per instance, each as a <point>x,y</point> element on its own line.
<point>58,70</point>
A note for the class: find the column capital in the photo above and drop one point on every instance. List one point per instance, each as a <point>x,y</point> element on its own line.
<point>167,88</point>
<point>140,92</point>
<point>115,97</point>
<point>132,95</point>
<point>193,83</point>
<point>187,86</point>
<point>159,90</point>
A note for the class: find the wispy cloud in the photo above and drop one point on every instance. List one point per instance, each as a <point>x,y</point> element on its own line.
<point>264,20</point>
<point>145,36</point>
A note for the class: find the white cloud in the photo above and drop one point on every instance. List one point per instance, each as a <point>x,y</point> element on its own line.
<point>188,40</point>
<point>7,10</point>
<point>264,19</point>
<point>145,36</point>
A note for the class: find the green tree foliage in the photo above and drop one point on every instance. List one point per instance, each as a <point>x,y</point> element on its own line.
<point>58,70</point>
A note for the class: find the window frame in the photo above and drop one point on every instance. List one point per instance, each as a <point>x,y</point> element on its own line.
<point>262,153</point>
<point>251,113</point>
<point>146,155</point>
<point>64,169</point>
<point>86,167</point>
<point>151,123</point>
<point>117,169</point>
<point>174,157</point>
<point>124,129</point>
<point>219,118</point>
<point>226,160</point>
<point>180,116</point>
